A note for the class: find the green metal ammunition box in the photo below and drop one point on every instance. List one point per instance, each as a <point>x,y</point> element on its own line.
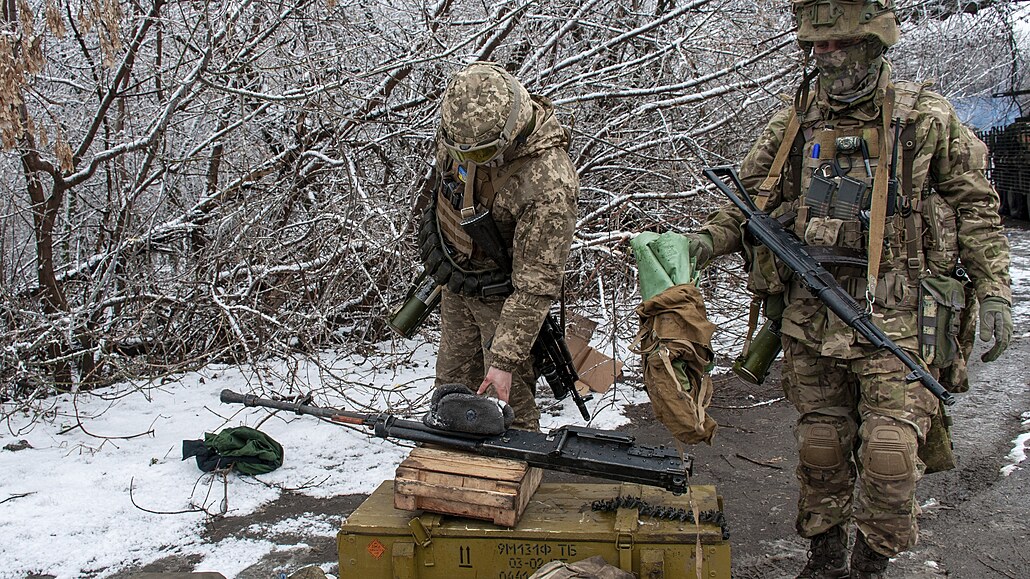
<point>380,542</point>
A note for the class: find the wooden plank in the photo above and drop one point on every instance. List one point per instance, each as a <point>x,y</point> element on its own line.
<point>470,496</point>
<point>441,479</point>
<point>529,486</point>
<point>435,505</point>
<point>465,463</point>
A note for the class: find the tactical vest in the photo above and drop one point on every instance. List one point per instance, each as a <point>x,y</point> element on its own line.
<point>832,174</point>
<point>447,252</point>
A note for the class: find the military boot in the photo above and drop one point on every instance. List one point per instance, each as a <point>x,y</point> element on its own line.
<point>865,562</point>
<point>828,555</point>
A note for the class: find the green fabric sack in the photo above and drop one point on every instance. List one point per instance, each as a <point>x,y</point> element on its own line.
<point>245,449</point>
<point>663,260</point>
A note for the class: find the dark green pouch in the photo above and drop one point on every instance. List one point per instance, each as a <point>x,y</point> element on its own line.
<point>245,449</point>
<point>936,451</point>
<point>941,304</point>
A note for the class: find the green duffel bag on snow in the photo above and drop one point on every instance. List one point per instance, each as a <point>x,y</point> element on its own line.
<point>245,449</point>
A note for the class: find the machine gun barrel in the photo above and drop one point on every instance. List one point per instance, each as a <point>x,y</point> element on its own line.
<point>786,246</point>
<point>572,449</point>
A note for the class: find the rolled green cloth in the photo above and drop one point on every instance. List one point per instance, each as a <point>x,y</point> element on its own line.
<point>663,260</point>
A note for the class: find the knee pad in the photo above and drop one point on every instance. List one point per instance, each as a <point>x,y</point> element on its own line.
<point>820,446</point>
<point>888,453</point>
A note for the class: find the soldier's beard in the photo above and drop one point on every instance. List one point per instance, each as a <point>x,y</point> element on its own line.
<point>850,73</point>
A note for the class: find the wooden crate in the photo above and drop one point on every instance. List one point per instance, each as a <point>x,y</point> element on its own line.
<point>458,483</point>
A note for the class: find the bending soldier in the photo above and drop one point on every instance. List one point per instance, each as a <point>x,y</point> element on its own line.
<point>893,234</point>
<point>500,151</point>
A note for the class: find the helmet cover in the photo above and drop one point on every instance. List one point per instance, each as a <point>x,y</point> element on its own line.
<point>823,20</point>
<point>484,108</point>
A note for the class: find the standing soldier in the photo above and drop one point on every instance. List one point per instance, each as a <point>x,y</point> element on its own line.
<point>886,186</point>
<point>503,157</point>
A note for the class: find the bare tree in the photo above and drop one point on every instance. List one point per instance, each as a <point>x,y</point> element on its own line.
<point>192,182</point>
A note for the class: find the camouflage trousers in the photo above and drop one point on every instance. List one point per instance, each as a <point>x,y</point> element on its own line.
<point>860,421</point>
<point>466,327</point>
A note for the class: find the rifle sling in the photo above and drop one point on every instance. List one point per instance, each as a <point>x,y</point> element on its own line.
<point>878,209</point>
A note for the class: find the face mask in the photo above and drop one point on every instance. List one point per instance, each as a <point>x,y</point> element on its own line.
<point>852,72</point>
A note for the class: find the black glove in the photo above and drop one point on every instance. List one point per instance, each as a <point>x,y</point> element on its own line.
<point>455,407</point>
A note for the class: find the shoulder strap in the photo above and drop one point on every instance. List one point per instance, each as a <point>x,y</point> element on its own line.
<point>776,169</point>
<point>878,205</point>
<point>907,94</point>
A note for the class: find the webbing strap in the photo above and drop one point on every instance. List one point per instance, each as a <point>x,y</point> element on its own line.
<point>776,169</point>
<point>878,208</point>
<point>468,201</point>
<point>913,243</point>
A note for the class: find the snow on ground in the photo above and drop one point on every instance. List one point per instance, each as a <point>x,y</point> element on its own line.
<point>1020,272</point>
<point>66,503</point>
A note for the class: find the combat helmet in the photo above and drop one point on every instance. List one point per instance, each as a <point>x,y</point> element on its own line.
<point>821,20</point>
<point>483,112</point>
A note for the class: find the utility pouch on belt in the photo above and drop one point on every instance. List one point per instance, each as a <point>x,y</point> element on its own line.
<point>942,299</point>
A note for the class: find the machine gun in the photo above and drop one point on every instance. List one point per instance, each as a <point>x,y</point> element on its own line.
<point>786,246</point>
<point>549,350</point>
<point>572,449</point>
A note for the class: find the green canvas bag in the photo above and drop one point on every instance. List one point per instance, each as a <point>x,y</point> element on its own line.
<point>242,448</point>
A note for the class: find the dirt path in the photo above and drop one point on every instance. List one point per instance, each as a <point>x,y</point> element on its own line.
<point>974,521</point>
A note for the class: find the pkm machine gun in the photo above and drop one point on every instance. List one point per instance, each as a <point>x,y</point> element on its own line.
<point>572,449</point>
<point>786,246</point>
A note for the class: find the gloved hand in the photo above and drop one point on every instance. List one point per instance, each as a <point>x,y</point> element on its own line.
<point>702,247</point>
<point>455,407</point>
<point>996,323</point>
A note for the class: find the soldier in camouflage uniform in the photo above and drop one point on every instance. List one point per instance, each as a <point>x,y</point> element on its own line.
<point>502,150</point>
<point>857,413</point>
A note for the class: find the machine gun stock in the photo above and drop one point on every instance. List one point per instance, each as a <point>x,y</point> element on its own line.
<point>572,449</point>
<point>786,246</point>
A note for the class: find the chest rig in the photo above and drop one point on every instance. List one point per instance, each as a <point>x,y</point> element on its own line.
<point>449,253</point>
<point>851,181</point>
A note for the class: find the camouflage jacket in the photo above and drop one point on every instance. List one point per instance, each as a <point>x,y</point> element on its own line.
<point>948,186</point>
<point>535,210</point>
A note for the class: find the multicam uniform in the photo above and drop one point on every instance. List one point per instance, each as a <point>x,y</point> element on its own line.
<point>953,216</point>
<point>532,197</point>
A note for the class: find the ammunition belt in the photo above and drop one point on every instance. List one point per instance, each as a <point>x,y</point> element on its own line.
<point>436,257</point>
<point>659,512</point>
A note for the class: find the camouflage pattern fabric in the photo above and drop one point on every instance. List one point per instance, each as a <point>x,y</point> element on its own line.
<point>466,324</point>
<point>889,419</point>
<point>477,106</point>
<point>841,386</point>
<point>851,72</point>
<point>535,211</point>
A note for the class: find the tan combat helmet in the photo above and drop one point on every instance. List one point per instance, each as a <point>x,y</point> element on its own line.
<point>483,111</point>
<point>820,20</point>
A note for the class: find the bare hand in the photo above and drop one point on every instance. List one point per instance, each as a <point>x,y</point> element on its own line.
<point>501,382</point>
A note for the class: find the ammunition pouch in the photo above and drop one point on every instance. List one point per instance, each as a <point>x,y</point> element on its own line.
<point>438,261</point>
<point>936,450</point>
<point>942,300</point>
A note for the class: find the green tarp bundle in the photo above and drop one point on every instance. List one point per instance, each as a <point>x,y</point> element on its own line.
<point>245,449</point>
<point>675,336</point>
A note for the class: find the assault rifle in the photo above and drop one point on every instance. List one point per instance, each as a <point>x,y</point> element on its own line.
<point>572,449</point>
<point>554,362</point>
<point>786,246</point>
<point>550,351</point>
